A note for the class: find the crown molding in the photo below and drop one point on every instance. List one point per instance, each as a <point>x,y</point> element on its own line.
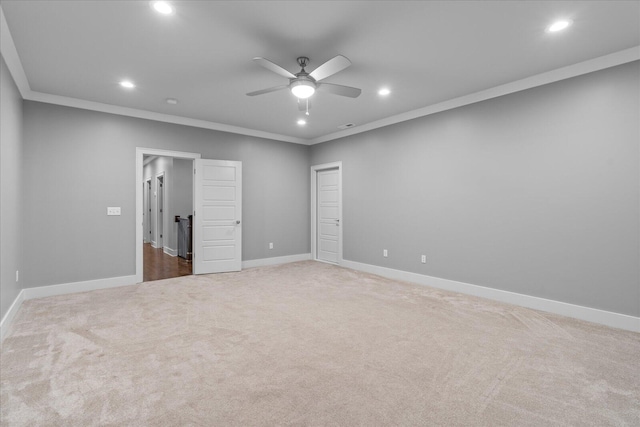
<point>150,115</point>
<point>596,64</point>
<point>12,59</point>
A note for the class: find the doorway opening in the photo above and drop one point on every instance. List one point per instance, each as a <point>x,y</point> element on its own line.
<point>164,197</point>
<point>326,212</point>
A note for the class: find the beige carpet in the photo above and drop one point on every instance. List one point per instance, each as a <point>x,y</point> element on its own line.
<point>309,344</point>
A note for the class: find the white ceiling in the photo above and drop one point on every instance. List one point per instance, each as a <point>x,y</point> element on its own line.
<point>425,52</point>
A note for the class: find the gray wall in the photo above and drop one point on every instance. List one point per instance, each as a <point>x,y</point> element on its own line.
<point>10,189</point>
<point>78,162</point>
<point>535,192</point>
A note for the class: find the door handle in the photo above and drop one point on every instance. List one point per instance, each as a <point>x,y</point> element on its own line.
<point>237,221</point>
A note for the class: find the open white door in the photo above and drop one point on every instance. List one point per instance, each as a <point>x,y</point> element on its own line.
<point>217,230</point>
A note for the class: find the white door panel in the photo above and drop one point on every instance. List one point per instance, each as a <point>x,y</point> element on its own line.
<point>217,232</point>
<point>219,173</point>
<point>219,193</point>
<point>328,216</point>
<point>219,213</point>
<point>329,230</point>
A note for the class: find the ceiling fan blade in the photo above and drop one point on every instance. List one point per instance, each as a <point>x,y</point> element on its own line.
<point>271,89</point>
<point>273,67</point>
<point>330,67</point>
<point>351,92</point>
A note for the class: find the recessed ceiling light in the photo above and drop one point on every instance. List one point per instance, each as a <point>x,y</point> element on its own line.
<point>128,84</point>
<point>302,122</point>
<point>558,26</point>
<point>162,7</point>
<point>172,101</point>
<point>384,91</point>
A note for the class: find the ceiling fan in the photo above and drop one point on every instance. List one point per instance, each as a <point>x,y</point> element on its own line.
<point>303,84</point>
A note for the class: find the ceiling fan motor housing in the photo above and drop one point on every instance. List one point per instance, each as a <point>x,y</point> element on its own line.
<point>302,62</point>
<point>303,86</point>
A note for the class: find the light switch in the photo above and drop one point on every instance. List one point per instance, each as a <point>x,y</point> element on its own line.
<point>113,210</point>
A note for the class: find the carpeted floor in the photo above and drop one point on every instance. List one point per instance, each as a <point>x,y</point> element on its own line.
<point>309,344</point>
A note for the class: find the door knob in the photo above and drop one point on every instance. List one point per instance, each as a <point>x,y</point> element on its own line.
<point>237,221</point>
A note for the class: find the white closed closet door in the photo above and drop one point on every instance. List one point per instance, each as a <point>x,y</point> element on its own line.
<point>328,215</point>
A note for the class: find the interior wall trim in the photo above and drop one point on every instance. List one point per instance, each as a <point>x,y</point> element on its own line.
<point>113,282</point>
<point>61,289</point>
<point>74,287</point>
<point>607,318</point>
<point>589,66</point>
<point>12,59</point>
<point>171,252</point>
<point>7,320</point>
<point>159,117</point>
<point>275,260</point>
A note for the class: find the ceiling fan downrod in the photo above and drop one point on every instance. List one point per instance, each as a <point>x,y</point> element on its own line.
<point>302,62</point>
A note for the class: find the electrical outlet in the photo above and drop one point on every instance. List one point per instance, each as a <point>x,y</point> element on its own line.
<point>385,253</point>
<point>270,245</point>
<point>113,211</point>
<point>424,259</point>
<point>17,275</point>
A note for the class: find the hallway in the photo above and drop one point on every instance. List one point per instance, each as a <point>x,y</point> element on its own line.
<point>158,265</point>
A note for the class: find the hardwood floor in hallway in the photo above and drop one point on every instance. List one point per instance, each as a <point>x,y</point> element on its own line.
<point>158,265</point>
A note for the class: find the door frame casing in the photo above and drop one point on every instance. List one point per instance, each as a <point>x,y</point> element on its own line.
<point>146,210</point>
<point>314,208</point>
<point>140,153</point>
<point>160,223</point>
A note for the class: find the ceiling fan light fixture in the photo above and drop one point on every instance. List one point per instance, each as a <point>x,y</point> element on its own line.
<point>303,89</point>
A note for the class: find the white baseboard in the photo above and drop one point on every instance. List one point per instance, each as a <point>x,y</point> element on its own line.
<point>608,318</point>
<point>171,252</point>
<point>275,260</point>
<point>7,320</point>
<point>70,288</point>
<point>112,282</point>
